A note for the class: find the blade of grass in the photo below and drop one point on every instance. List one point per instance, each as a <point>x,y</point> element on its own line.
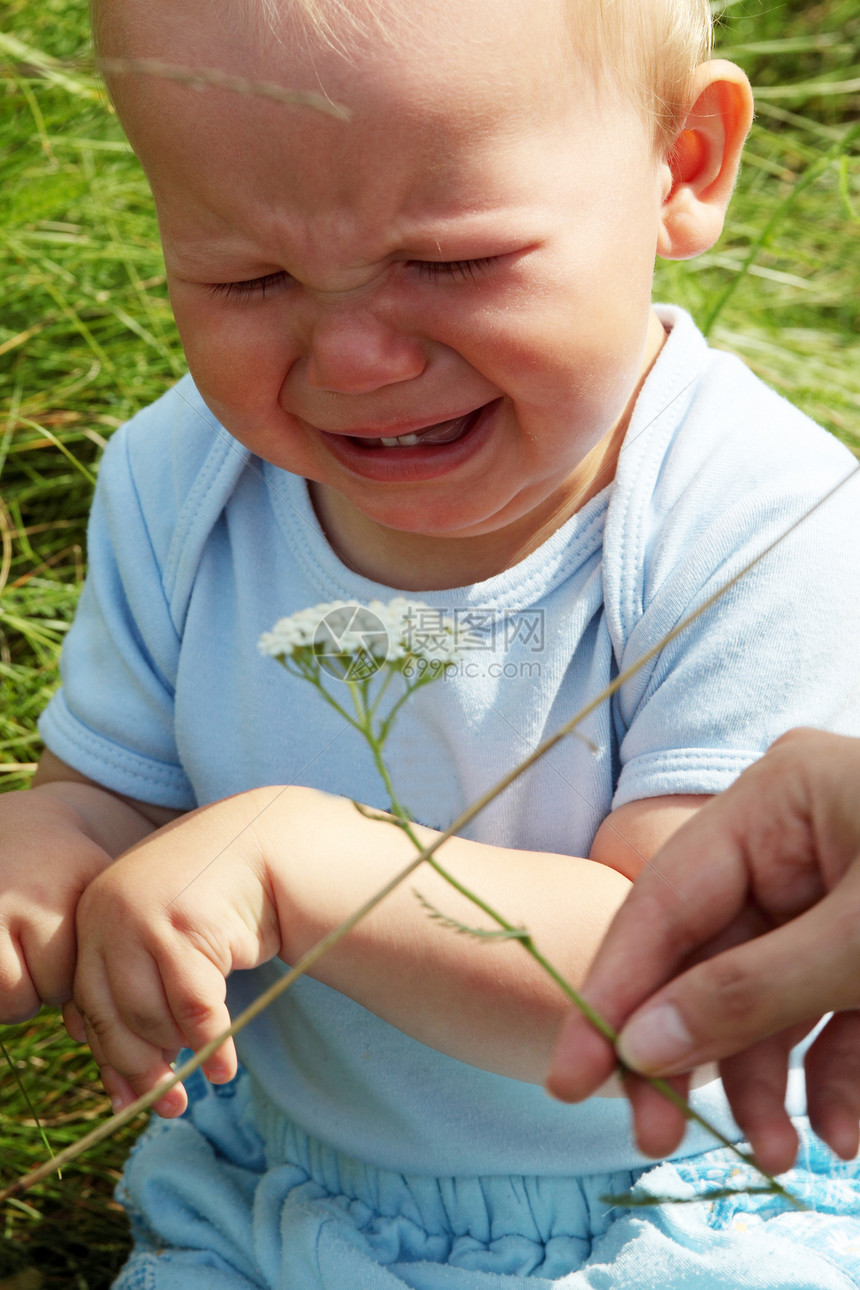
<point>26,1096</point>
<point>809,176</point>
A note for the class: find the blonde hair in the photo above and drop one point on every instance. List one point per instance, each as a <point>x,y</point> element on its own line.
<point>651,48</point>
<point>647,48</point>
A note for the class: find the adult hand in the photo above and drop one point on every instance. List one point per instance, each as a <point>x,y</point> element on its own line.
<point>733,943</point>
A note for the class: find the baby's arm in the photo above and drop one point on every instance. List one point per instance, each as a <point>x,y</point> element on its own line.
<point>54,839</point>
<point>632,834</point>
<point>271,871</point>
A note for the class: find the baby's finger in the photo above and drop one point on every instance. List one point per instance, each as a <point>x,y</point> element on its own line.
<point>144,1069</point>
<point>37,963</point>
<point>121,1095</point>
<point>117,1048</point>
<point>114,1043</point>
<point>74,1023</point>
<point>176,1001</point>
<point>195,991</point>
<point>49,950</point>
<point>132,986</point>
<point>19,999</point>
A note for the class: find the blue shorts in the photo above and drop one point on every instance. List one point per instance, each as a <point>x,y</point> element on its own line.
<point>216,1205</point>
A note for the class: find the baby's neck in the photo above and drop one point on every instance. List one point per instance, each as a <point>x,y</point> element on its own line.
<point>429,562</point>
<point>409,561</point>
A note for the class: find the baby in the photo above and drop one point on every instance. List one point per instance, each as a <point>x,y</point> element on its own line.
<point>424,359</point>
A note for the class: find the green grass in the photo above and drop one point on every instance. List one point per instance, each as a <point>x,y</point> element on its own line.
<point>86,338</point>
<point>69,1230</point>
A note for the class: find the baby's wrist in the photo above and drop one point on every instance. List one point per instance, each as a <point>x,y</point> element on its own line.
<point>97,814</point>
<point>299,868</point>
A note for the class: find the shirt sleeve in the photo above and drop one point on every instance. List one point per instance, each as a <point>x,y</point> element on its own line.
<point>112,718</point>
<point>742,597</point>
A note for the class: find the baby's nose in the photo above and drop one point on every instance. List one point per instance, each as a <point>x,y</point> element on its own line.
<point>359,353</point>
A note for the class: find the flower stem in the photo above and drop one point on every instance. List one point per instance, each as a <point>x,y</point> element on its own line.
<point>402,820</point>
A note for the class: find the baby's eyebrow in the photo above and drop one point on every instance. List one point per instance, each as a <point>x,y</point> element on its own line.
<point>210,248</point>
<point>214,259</point>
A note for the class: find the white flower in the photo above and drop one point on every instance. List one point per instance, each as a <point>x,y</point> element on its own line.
<point>400,630</point>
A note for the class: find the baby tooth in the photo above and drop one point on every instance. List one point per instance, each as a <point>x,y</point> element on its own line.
<point>404,441</point>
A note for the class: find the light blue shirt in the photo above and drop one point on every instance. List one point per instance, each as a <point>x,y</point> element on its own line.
<point>196,547</point>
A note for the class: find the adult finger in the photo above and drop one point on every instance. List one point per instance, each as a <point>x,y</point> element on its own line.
<point>658,1124</point>
<point>726,1004</point>
<point>755,1083</point>
<point>662,924</point>
<point>582,1061</point>
<point>833,1084</point>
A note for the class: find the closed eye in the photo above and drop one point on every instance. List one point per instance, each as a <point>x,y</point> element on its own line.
<point>250,288</point>
<point>431,270</point>
<point>454,270</point>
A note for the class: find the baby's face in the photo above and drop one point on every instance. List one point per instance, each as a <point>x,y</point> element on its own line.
<point>435,310</point>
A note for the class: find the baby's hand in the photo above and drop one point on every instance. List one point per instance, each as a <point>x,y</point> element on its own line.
<point>158,933</point>
<point>46,862</point>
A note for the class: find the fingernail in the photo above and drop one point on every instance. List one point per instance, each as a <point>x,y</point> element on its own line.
<point>654,1040</point>
<point>170,1106</point>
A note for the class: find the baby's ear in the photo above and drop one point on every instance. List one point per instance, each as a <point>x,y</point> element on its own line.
<point>704,161</point>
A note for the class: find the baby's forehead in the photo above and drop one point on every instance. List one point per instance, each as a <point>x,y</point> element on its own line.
<point>500,58</point>
<point>369,33</point>
<point>517,54</point>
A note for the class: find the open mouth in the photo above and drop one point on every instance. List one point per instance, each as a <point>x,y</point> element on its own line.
<point>418,454</point>
<point>438,433</point>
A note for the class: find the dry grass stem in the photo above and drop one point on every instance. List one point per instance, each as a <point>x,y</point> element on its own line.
<point>213,78</point>
<point>327,942</point>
